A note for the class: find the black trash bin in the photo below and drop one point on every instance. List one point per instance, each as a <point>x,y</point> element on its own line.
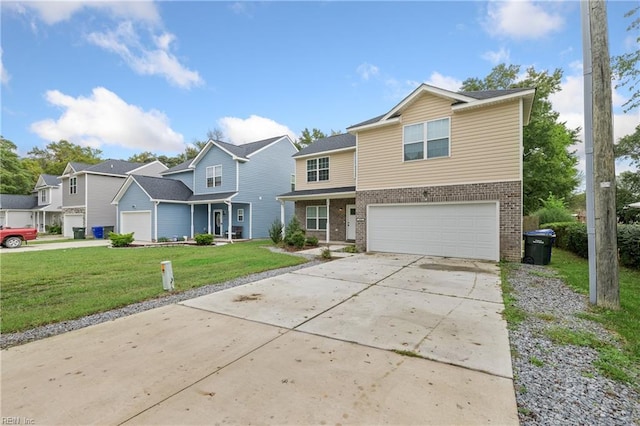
<point>537,246</point>
<point>107,230</point>
<point>98,232</point>
<point>78,233</point>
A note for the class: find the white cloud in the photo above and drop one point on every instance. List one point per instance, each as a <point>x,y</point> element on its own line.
<point>106,119</point>
<point>444,82</point>
<point>366,71</point>
<point>4,74</point>
<point>495,58</point>
<point>54,12</point>
<point>569,103</point>
<point>521,19</point>
<point>255,128</point>
<point>125,42</point>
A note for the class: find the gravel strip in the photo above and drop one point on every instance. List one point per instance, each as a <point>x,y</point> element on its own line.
<point>557,384</point>
<point>13,339</point>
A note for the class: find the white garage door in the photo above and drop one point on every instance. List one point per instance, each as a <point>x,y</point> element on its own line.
<point>137,222</point>
<point>453,230</point>
<point>71,221</point>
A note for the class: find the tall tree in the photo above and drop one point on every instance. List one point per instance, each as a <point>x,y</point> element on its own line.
<point>143,157</point>
<point>309,136</point>
<point>55,156</point>
<point>629,147</point>
<point>626,67</point>
<point>549,165</point>
<point>14,177</point>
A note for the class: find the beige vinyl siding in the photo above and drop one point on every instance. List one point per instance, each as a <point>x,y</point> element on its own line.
<point>484,147</point>
<point>341,172</point>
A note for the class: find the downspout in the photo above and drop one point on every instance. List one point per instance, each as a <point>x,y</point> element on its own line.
<point>228,203</point>
<point>250,221</point>
<point>327,231</point>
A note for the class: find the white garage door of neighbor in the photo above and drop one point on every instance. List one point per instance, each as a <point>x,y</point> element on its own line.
<point>468,231</point>
<point>71,221</point>
<point>137,222</point>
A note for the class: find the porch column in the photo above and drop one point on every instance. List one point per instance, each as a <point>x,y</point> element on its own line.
<point>44,220</point>
<point>282,216</point>
<point>230,220</point>
<point>208,218</point>
<point>192,209</point>
<point>328,223</point>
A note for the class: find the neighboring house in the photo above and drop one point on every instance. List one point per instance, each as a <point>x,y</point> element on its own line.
<point>224,188</point>
<point>87,191</point>
<point>439,174</point>
<point>325,188</point>
<point>39,210</point>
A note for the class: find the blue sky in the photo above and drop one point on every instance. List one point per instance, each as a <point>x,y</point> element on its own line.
<point>134,76</point>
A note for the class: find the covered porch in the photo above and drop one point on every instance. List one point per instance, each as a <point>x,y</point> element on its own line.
<point>327,214</point>
<point>218,215</point>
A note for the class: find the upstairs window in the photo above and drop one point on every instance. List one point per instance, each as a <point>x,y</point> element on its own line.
<point>43,196</point>
<point>73,185</point>
<point>434,134</point>
<point>214,176</point>
<point>293,182</point>
<point>318,169</point>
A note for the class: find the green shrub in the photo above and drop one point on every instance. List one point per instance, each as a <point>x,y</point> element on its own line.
<point>629,245</point>
<point>560,228</point>
<point>350,249</point>
<point>203,239</point>
<point>553,210</point>
<point>120,240</point>
<point>326,253</point>
<point>312,241</point>
<point>297,239</point>
<point>54,229</point>
<point>577,241</point>
<point>294,228</point>
<point>163,240</point>
<point>275,231</point>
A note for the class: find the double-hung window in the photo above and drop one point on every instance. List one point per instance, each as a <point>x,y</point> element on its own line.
<point>427,140</point>
<point>240,217</point>
<point>214,176</point>
<point>318,169</point>
<point>43,196</point>
<point>73,185</point>
<point>317,218</point>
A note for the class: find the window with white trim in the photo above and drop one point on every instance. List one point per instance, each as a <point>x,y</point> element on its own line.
<point>240,215</point>
<point>214,176</point>
<point>43,196</point>
<point>73,185</point>
<point>435,134</point>
<point>318,169</point>
<point>317,218</point>
<point>293,182</point>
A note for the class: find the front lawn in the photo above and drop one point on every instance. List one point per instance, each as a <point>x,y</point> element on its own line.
<point>43,287</point>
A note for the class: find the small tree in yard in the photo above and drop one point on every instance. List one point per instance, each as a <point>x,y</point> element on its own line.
<point>293,232</point>
<point>275,231</point>
<point>120,240</point>
<point>553,210</point>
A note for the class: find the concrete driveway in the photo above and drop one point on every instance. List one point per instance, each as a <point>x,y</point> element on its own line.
<point>368,339</point>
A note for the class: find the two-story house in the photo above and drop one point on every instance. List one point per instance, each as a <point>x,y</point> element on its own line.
<point>325,188</point>
<point>439,174</point>
<point>87,191</point>
<point>226,190</point>
<point>39,210</point>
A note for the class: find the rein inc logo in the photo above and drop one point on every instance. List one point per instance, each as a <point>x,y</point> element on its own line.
<point>17,420</point>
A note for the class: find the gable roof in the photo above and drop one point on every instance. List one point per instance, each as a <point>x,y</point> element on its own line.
<point>237,152</point>
<point>113,167</point>
<point>460,100</point>
<point>74,167</point>
<point>47,181</point>
<point>18,202</point>
<point>331,143</point>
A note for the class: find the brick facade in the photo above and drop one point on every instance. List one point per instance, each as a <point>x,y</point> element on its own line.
<point>337,217</point>
<point>508,194</point>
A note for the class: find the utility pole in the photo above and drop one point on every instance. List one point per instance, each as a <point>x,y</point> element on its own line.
<point>604,188</point>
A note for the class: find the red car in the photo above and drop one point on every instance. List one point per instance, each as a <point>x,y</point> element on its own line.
<point>13,237</point>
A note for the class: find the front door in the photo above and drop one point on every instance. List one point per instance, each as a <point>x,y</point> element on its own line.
<point>217,222</point>
<point>351,222</point>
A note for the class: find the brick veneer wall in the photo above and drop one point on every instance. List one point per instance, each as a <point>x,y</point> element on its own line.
<point>337,218</point>
<point>509,195</point>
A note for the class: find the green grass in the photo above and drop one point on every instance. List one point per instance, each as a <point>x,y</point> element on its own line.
<point>44,287</point>
<point>512,314</point>
<point>625,322</point>
<point>536,361</point>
